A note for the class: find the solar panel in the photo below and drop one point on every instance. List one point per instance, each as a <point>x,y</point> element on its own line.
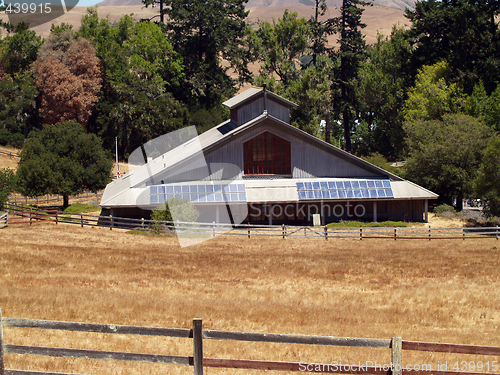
<point>346,189</point>
<point>197,193</point>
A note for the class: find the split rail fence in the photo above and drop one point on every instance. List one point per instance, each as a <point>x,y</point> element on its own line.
<point>49,198</point>
<point>22,214</point>
<point>199,335</point>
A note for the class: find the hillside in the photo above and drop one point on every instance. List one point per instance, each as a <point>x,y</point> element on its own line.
<point>378,18</point>
<point>397,4</point>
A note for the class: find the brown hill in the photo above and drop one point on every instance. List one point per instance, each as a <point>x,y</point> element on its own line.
<point>398,4</point>
<point>378,18</point>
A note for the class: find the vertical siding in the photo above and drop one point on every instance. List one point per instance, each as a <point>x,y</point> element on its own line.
<point>226,162</point>
<point>251,110</point>
<point>307,160</point>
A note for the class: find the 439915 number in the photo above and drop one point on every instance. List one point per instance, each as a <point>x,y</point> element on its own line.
<point>25,8</point>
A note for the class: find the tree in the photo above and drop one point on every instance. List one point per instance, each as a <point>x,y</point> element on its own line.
<point>350,53</point>
<point>444,155</point>
<point>142,73</point>
<point>487,183</point>
<point>384,79</point>
<point>464,33</point>
<point>280,44</point>
<point>432,96</point>
<point>205,33</point>
<point>483,106</point>
<point>62,159</point>
<point>7,184</point>
<point>319,30</point>
<point>18,115</point>
<point>311,91</point>
<point>19,50</point>
<point>68,77</point>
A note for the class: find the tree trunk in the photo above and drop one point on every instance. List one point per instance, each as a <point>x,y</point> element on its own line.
<point>65,201</point>
<point>327,128</point>
<point>347,130</point>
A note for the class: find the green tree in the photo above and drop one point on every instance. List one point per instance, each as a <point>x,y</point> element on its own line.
<point>444,155</point>
<point>464,33</point>
<point>19,50</point>
<point>487,183</point>
<point>320,31</point>
<point>483,106</point>
<point>18,112</point>
<point>384,79</point>
<point>142,73</point>
<point>7,184</point>
<point>205,33</point>
<point>311,91</point>
<point>280,44</point>
<point>62,159</point>
<point>351,52</point>
<point>432,96</point>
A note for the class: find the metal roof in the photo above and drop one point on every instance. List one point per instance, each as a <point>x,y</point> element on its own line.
<point>255,92</point>
<point>123,192</point>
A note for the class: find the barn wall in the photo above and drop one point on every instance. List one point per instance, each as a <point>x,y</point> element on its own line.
<point>307,160</point>
<point>410,210</point>
<point>255,108</point>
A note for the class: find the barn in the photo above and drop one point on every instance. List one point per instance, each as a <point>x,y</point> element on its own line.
<point>255,167</point>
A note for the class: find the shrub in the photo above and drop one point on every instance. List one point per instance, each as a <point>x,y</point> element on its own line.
<point>443,209</point>
<point>175,210</point>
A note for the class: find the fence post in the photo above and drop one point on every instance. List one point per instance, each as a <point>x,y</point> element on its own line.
<point>31,214</point>
<point>395,234</point>
<point>81,218</point>
<point>463,232</point>
<point>249,230</point>
<point>497,231</point>
<point>197,346</point>
<point>397,356</point>
<point>213,228</point>
<point>326,233</point>
<point>283,230</point>
<point>57,217</point>
<point>361,233</point>
<point>142,223</point>
<point>2,367</point>
<point>429,232</point>
<point>111,219</point>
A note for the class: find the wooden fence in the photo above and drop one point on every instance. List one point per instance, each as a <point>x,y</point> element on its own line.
<point>49,198</point>
<point>4,220</point>
<point>198,362</point>
<point>10,154</point>
<point>23,215</point>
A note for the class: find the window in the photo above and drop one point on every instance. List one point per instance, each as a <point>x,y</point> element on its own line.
<point>267,154</point>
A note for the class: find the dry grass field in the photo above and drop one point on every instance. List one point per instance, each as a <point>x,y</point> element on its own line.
<point>439,291</point>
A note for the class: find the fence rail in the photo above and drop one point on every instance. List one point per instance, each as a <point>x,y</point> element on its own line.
<point>198,334</point>
<point>249,230</point>
<point>10,154</point>
<point>4,220</point>
<point>48,198</point>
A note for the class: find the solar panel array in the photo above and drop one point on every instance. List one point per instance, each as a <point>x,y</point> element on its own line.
<point>198,193</point>
<point>345,189</point>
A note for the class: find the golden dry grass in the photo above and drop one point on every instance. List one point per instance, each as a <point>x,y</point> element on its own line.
<point>6,161</point>
<point>441,291</point>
